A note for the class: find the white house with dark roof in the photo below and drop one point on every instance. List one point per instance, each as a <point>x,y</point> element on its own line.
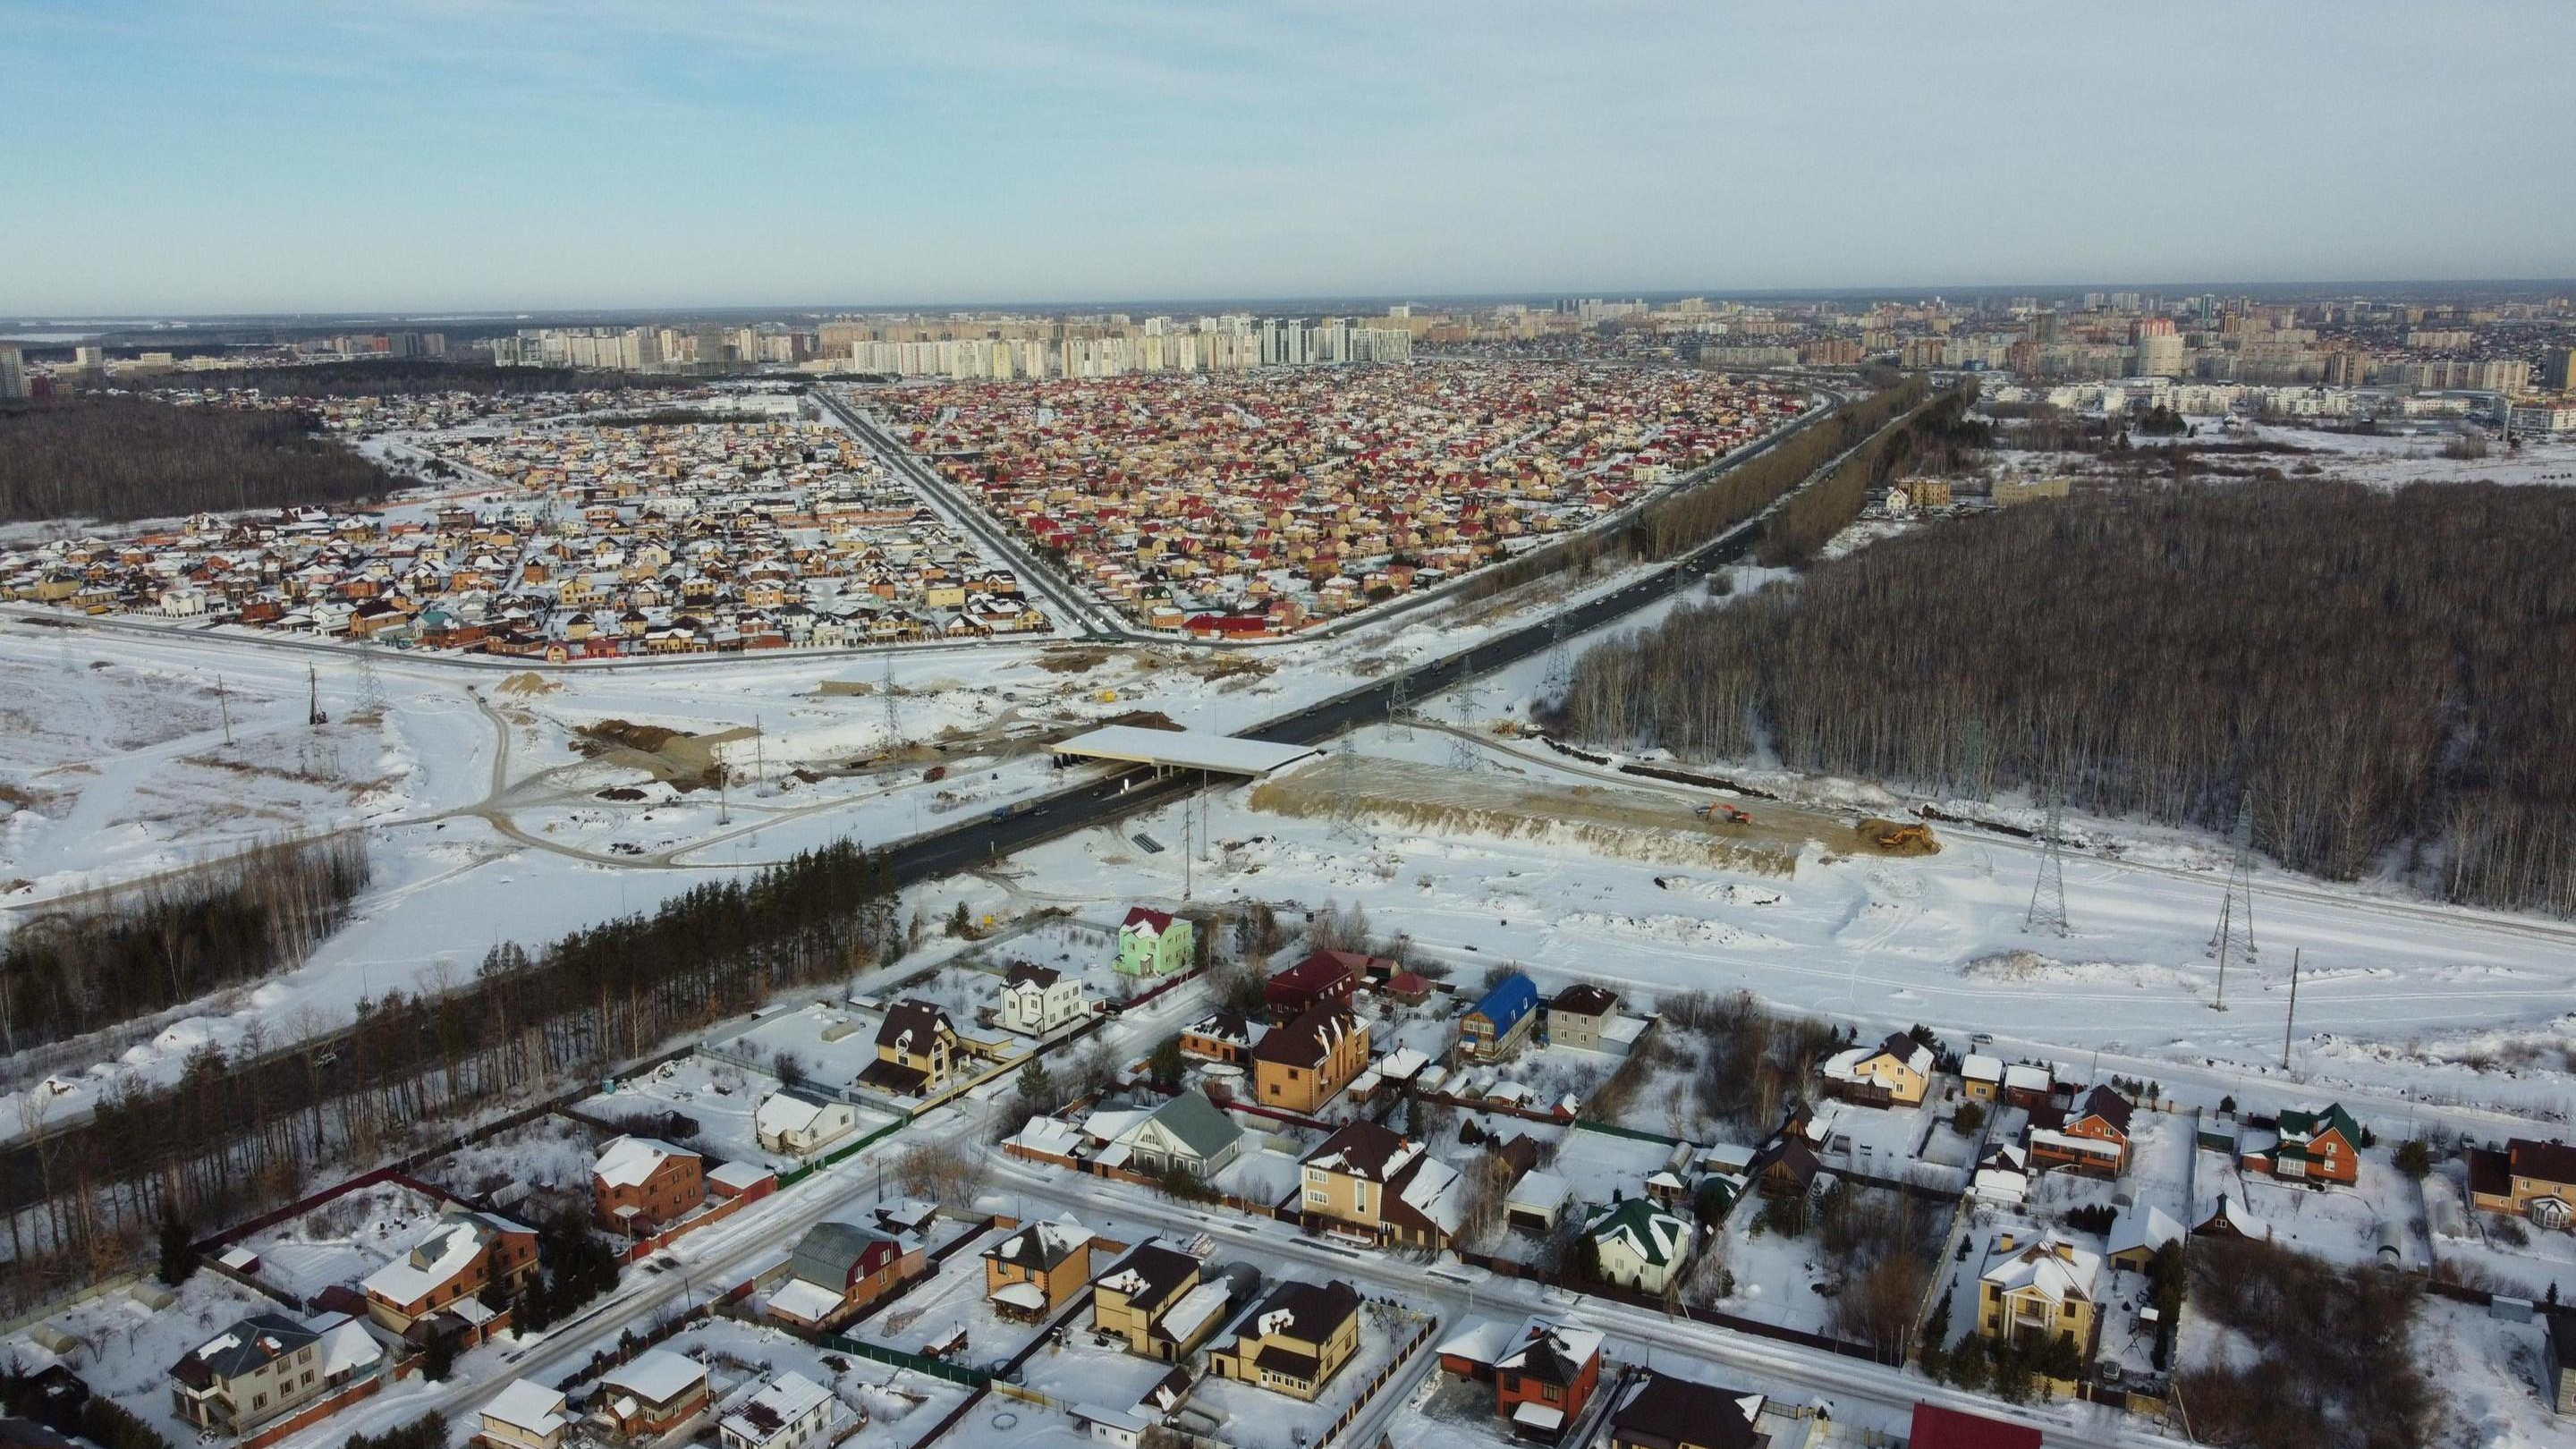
<point>1037,1000</point>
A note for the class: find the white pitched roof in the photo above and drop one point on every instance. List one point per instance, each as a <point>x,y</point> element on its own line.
<point>656,1375</point>
<point>630,1161</point>
<point>790,1396</point>
<point>530,1406</point>
<point>2150,1227</point>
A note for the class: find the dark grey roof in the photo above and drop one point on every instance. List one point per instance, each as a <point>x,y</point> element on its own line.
<point>1195,1120</point>
<point>254,1342</point>
<point>1679,1411</point>
<point>828,1250</point>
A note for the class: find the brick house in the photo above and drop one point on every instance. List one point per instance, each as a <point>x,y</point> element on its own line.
<point>465,1252</point>
<point>652,1394</point>
<point>638,1184</point>
<point>2310,1143</point>
<point>1301,1066</point>
<point>2090,1137</point>
<point>838,1268</point>
<point>1036,1270</point>
<point>1326,977</point>
<point>1154,1301</point>
<point>1293,1344</point>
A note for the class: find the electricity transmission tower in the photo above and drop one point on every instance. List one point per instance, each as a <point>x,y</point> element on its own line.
<point>1560,661</point>
<point>894,726</point>
<point>1346,794</point>
<point>371,685</point>
<point>2048,893</point>
<point>1399,708</point>
<point>2233,942</point>
<point>1463,754</point>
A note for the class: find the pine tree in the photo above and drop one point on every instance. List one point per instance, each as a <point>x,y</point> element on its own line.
<point>178,1251</point>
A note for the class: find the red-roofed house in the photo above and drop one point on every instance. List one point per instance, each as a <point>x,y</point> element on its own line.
<point>1326,976</point>
<point>1153,943</point>
<point>1939,1428</point>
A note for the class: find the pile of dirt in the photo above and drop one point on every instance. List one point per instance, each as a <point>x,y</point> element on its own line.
<point>1892,837</point>
<point>1071,660</point>
<point>528,682</point>
<point>591,739</point>
<point>1144,719</point>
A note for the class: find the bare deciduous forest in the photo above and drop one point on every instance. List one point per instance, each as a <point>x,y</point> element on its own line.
<point>117,458</point>
<point>242,1132</point>
<point>2386,678</point>
<point>141,948</point>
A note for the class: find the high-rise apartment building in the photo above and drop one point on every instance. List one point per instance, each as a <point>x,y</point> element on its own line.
<point>2559,370</point>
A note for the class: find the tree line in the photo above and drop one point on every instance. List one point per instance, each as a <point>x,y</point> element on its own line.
<point>1687,519</point>
<point>248,1130</point>
<point>1937,440</point>
<point>138,949</point>
<point>2369,672</point>
<point>409,377</point>
<point>119,458</point>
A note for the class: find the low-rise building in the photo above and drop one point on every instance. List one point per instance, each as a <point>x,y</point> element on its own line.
<point>799,1123</point>
<point>837,1269</point>
<point>2531,1178</point>
<point>259,1369</point>
<point>917,1049</point>
<point>1154,943</point>
<point>524,1415</point>
<point>789,1412</point>
<point>1663,1412</point>
<point>450,1266</point>
<point>2309,1143</point>
<point>1499,1022</point>
<point>1295,1342</point>
<point>1581,1016</point>
<point>652,1394</point>
<point>1221,1036</point>
<point>1035,1271</point>
<point>1641,1244</point>
<point>1306,1063</point>
<point>1324,978</point>
<point>1037,1000</point>
<point>1370,1183</point>
<point>2091,1137</point>
<point>1894,1073</point>
<point>2029,1292</point>
<point>1186,1134</point>
<point>638,1183</point>
<point>1154,1301</point>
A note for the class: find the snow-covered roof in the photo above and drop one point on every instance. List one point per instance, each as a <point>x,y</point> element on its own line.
<point>1024,1295</point>
<point>811,1302</point>
<point>787,1111</point>
<point>790,1396</point>
<point>1544,1190</point>
<point>632,1161</point>
<point>2053,1267</point>
<point>1195,1308</point>
<point>738,1175</point>
<point>1978,1067</point>
<point>2148,1226</point>
<point>448,1251</point>
<point>1645,1229</point>
<point>1050,1135</point>
<point>2022,1077</point>
<point>529,1406</point>
<point>657,1376</point>
<point>1487,1341</point>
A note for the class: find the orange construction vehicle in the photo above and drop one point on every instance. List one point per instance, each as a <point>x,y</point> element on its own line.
<point>1719,812</point>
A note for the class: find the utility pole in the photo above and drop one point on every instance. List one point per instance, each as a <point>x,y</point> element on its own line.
<point>2048,892</point>
<point>224,702</point>
<point>1189,852</point>
<point>1463,754</point>
<point>1346,794</point>
<point>1560,660</point>
<point>759,754</point>
<point>2291,1026</point>
<point>894,728</point>
<point>1399,708</point>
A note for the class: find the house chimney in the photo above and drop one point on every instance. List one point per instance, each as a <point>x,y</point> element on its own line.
<point>2004,1241</point>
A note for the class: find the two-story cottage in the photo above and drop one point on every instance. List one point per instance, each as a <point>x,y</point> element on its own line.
<point>1037,1269</point>
<point>1186,1134</point>
<point>2030,1292</point>
<point>1367,1181</point>
<point>1641,1244</point>
<point>1306,1063</point>
<point>465,1252</point>
<point>1221,1036</point>
<point>268,1366</point>
<point>1295,1342</point>
<point>2529,1177</point>
<point>2309,1143</point>
<point>1036,1000</point>
<point>1582,1016</point>
<point>1324,978</point>
<point>2091,1137</point>
<point>1153,1300</point>
<point>916,1051</point>
<point>839,1268</point>
<point>1894,1073</point>
<point>1499,1022</point>
<point>1544,1380</point>
<point>638,1183</point>
<point>524,1415</point>
<point>1154,943</point>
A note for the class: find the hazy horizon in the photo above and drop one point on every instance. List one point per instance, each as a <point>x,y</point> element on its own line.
<point>279,157</point>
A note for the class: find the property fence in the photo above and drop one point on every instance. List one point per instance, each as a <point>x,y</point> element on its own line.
<point>918,1363</point>
<point>1845,1348</point>
<point>1421,1335</point>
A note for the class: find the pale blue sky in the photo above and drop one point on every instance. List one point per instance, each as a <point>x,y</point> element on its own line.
<point>274,155</point>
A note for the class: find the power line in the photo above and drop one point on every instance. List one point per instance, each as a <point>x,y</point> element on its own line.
<point>1399,707</point>
<point>1346,794</point>
<point>894,725</point>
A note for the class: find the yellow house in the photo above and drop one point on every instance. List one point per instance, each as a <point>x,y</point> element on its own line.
<point>916,1050</point>
<point>1367,1181</point>
<point>1895,1073</point>
<point>1153,1299</point>
<point>2031,1292</point>
<point>1295,1342</point>
<point>1299,1067</point>
<point>1037,1270</point>
<point>524,1415</point>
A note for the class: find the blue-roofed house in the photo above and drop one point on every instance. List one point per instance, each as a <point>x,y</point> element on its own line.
<point>1496,1026</point>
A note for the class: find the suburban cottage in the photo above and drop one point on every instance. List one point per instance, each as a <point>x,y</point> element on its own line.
<point>1324,977</point>
<point>1036,1000</point>
<point>1186,1134</point>
<point>1642,1244</point>
<point>2310,1143</point>
<point>2090,1137</point>
<point>1894,1073</point>
<point>1543,1373</point>
<point>798,1123</point>
<point>916,1051</point>
<point>524,1415</point>
<point>637,1184</point>
<point>1496,1025</point>
<point>466,1251</point>
<point>1582,1016</point>
<point>1368,1182</point>
<point>839,1268</point>
<point>2045,1289</point>
<point>1295,1342</point>
<point>1037,1269</point>
<point>1663,1412</point>
<point>1153,943</point>
<point>652,1394</point>
<point>789,1412</point>
<point>2534,1179</point>
<point>268,1366</point>
<point>1301,1066</point>
<point>1152,1299</point>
